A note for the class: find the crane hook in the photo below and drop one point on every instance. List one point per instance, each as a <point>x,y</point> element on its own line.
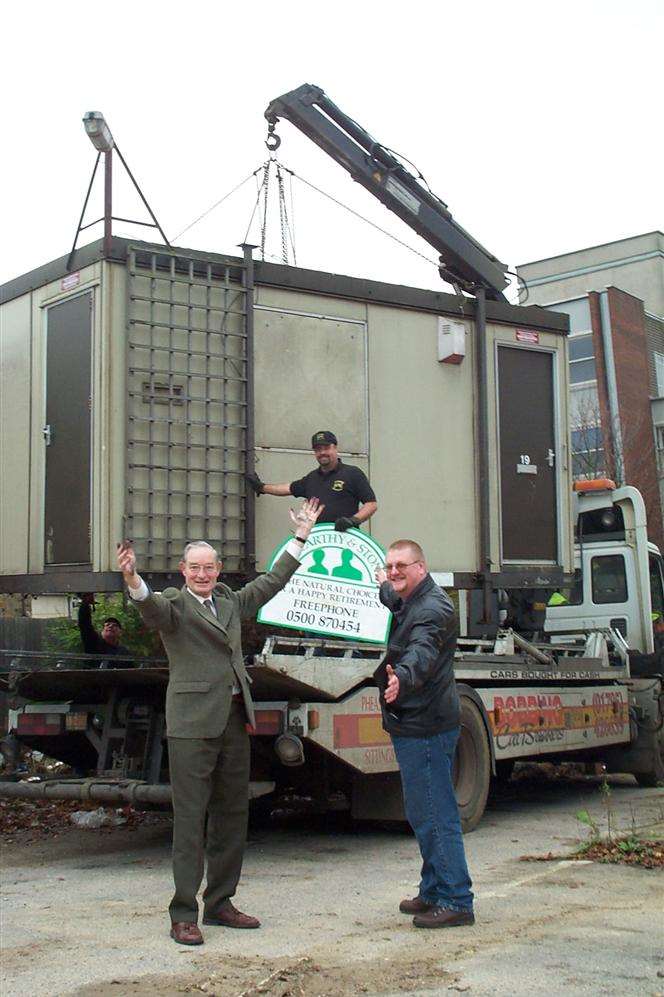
<point>272,141</point>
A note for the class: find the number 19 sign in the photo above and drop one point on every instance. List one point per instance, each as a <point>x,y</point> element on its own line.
<point>334,591</point>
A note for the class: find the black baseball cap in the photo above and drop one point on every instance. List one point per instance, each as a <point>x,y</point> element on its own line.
<point>322,437</point>
<point>113,619</point>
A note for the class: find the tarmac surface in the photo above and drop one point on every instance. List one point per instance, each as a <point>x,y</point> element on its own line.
<point>85,913</point>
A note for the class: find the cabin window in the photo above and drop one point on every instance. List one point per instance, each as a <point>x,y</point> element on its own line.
<point>609,580</point>
<point>656,592</point>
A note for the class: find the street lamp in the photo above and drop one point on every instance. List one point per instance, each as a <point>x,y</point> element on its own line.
<point>98,131</point>
<point>99,134</point>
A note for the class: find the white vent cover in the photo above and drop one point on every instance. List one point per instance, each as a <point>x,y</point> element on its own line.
<point>451,341</point>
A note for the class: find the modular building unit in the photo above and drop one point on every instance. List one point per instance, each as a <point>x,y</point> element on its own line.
<point>138,388</point>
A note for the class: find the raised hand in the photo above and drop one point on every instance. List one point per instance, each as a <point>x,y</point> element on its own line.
<point>254,482</point>
<point>127,563</point>
<point>345,523</point>
<point>306,516</point>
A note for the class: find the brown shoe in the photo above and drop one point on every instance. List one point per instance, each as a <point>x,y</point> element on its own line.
<point>415,906</point>
<point>186,933</point>
<point>229,917</point>
<point>443,917</point>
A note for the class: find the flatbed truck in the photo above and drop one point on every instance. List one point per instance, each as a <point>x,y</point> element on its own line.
<point>161,376</point>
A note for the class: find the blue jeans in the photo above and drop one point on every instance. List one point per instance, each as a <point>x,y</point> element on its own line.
<point>431,809</point>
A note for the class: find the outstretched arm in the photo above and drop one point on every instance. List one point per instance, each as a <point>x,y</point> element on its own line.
<point>261,488</point>
<point>156,611</point>
<point>282,489</point>
<point>127,565</point>
<point>92,642</point>
<point>257,593</point>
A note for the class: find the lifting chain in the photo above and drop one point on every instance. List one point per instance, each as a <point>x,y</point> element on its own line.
<point>265,190</point>
<point>283,216</point>
<point>273,142</point>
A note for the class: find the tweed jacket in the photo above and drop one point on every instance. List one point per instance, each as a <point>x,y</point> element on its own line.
<point>205,652</point>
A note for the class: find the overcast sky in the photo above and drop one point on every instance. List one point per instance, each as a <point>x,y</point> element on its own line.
<point>539,124</point>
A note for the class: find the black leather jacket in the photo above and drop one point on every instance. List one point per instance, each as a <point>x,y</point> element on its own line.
<point>420,649</point>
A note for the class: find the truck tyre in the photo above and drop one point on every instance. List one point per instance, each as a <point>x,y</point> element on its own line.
<point>472,766</point>
<point>655,776</point>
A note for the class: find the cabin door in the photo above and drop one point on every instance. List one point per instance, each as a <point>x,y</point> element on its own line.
<point>528,488</point>
<point>67,431</point>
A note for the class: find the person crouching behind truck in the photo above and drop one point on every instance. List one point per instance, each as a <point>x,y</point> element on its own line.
<point>421,713</point>
<point>107,643</point>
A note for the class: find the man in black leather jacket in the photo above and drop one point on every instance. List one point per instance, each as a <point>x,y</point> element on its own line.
<point>420,709</point>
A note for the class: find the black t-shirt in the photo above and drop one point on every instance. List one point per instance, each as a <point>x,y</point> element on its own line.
<point>341,491</point>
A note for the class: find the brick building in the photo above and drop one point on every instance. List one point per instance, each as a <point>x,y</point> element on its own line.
<point>614,296</point>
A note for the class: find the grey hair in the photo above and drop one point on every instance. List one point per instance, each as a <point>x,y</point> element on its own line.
<point>199,543</point>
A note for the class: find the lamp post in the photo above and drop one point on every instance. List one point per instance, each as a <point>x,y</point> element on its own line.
<point>99,134</point>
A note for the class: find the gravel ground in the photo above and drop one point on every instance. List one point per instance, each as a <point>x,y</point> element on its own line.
<point>84,912</point>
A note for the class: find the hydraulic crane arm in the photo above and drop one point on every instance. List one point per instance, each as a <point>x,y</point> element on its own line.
<point>463,260</point>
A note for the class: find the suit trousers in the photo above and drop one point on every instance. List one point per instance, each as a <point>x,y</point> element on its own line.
<point>209,776</point>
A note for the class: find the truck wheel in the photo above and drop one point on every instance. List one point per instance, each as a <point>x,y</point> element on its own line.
<point>472,766</point>
<point>655,776</point>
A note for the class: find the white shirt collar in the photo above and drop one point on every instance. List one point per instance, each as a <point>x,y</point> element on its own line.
<point>200,598</point>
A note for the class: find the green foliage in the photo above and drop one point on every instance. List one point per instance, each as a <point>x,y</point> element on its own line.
<point>605,790</point>
<point>63,635</point>
<point>584,817</point>
<point>630,845</point>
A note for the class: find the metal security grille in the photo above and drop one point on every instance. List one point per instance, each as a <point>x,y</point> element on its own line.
<point>189,406</point>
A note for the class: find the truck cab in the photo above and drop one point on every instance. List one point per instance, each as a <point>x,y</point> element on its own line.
<point>619,577</point>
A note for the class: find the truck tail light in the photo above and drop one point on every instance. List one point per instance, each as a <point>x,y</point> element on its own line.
<point>268,722</point>
<point>39,723</point>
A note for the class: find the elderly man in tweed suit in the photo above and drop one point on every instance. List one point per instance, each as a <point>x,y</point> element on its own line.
<point>208,704</point>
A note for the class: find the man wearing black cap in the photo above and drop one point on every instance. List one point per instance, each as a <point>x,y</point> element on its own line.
<point>107,643</point>
<point>342,488</point>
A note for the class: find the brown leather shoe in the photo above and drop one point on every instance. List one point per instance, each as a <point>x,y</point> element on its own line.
<point>186,933</point>
<point>415,906</point>
<point>229,916</point>
<point>443,917</point>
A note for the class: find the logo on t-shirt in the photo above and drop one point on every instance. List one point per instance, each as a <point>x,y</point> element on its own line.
<point>338,485</point>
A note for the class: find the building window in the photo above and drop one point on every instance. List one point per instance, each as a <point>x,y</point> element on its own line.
<point>588,457</point>
<point>659,373</point>
<point>578,310</point>
<point>659,449</point>
<point>581,359</point>
<point>588,452</point>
